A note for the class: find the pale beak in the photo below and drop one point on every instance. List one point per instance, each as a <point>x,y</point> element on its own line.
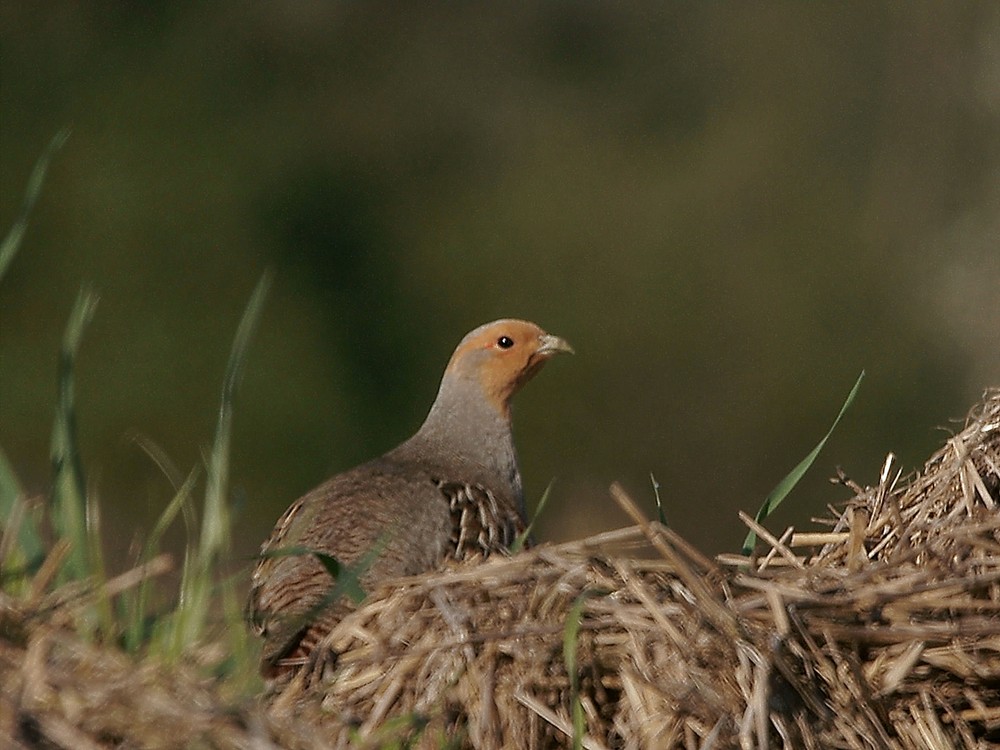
<point>549,345</point>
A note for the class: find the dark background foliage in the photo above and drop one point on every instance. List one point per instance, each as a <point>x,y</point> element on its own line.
<point>729,209</point>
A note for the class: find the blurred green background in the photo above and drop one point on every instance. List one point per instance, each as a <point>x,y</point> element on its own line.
<point>729,209</point>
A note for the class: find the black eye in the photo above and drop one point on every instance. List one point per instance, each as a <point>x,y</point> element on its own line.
<point>505,342</point>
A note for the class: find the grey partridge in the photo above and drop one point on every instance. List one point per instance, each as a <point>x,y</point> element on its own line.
<point>452,491</point>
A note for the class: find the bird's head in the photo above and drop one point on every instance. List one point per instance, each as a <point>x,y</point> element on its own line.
<point>502,356</point>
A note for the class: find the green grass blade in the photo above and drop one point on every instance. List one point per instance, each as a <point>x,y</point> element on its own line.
<point>158,456</point>
<point>173,639</point>
<point>138,614</point>
<point>69,490</point>
<point>215,525</point>
<point>346,578</point>
<point>10,486</point>
<point>10,489</point>
<point>29,550</point>
<point>12,242</point>
<point>780,492</point>
<point>525,535</point>
<point>101,615</point>
<point>169,514</point>
<point>571,636</point>
<point>237,635</point>
<point>217,490</point>
<point>214,537</point>
<point>15,574</point>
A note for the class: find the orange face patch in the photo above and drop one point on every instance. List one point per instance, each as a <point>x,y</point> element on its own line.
<point>503,355</point>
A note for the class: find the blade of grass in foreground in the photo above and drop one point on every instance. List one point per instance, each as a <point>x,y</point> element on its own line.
<point>31,549</point>
<point>571,634</point>
<point>12,242</point>
<point>137,604</point>
<point>215,525</point>
<point>525,535</point>
<point>28,551</point>
<point>69,491</point>
<point>214,540</point>
<point>792,478</point>
<point>101,612</point>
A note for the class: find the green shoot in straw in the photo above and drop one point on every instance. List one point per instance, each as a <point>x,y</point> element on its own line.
<point>571,634</point>
<point>792,478</point>
<point>525,535</point>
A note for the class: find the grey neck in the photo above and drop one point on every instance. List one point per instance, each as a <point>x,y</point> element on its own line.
<point>464,430</point>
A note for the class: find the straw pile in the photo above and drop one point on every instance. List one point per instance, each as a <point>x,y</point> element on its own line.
<point>886,636</point>
<point>880,631</point>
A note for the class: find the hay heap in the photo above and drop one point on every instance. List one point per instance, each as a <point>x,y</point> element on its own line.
<point>883,630</point>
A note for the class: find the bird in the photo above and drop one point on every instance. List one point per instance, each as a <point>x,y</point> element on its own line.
<point>452,491</point>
